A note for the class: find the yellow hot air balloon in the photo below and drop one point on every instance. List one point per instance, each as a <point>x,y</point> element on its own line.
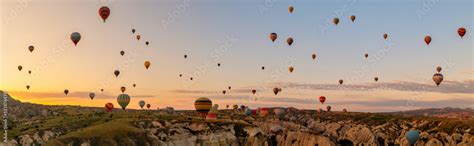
<point>203,105</point>
<point>147,64</point>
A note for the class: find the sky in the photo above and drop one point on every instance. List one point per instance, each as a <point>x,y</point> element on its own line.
<point>235,34</point>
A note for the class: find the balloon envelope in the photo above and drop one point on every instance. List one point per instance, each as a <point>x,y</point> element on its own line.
<point>462,31</point>
<point>289,41</point>
<point>31,48</point>
<point>109,107</point>
<point>75,37</point>
<point>123,100</point>
<point>203,105</point>
<point>141,104</point>
<point>322,99</point>
<point>412,136</point>
<point>147,64</point>
<point>273,36</point>
<point>92,95</point>
<point>438,78</point>
<point>427,40</point>
<point>336,21</point>
<point>104,12</point>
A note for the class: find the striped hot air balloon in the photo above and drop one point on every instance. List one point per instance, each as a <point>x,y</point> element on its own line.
<point>123,100</point>
<point>109,107</point>
<point>203,105</point>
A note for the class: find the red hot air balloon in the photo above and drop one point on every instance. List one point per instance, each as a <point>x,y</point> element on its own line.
<point>322,99</point>
<point>104,12</point>
<point>148,106</point>
<point>427,40</point>
<point>462,31</point>
<point>109,107</point>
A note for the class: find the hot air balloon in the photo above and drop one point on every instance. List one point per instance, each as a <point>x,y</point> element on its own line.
<point>427,40</point>
<point>438,69</point>
<point>289,41</point>
<point>462,31</point>
<point>31,48</point>
<point>291,9</point>
<point>322,99</point>
<point>101,90</point>
<point>28,87</point>
<point>66,91</point>
<point>122,89</point>
<point>141,104</point>
<point>138,37</point>
<point>291,69</point>
<point>328,108</point>
<point>340,82</point>
<point>263,111</point>
<point>273,36</point>
<point>104,12</point>
<point>180,75</point>
<point>279,112</point>
<point>438,78</point>
<point>20,67</point>
<point>229,87</point>
<point>146,43</point>
<point>148,106</point>
<point>248,112</point>
<point>223,92</point>
<point>235,107</point>
<point>133,30</point>
<point>218,64</point>
<point>203,105</point>
<point>263,67</point>
<point>75,38</point>
<point>116,73</point>
<point>227,106</point>
<point>376,79</point>
<point>313,56</point>
<point>185,56</point>
<point>123,100</point>
<point>109,107</point>
<point>254,91</point>
<point>344,110</point>
<point>29,72</point>
<point>91,95</point>
<point>412,136</point>
<point>147,64</point>
<point>275,90</point>
<point>366,55</point>
<point>336,21</point>
<point>353,18</point>
<point>134,85</point>
<point>191,78</point>
<point>122,53</point>
<point>385,36</point>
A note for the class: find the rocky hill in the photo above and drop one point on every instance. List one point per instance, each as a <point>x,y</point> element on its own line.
<point>32,124</point>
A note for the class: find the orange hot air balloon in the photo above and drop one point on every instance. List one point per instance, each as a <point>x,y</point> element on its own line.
<point>28,87</point>
<point>289,41</point>
<point>147,64</point>
<point>66,91</point>
<point>366,55</point>
<point>291,9</point>
<point>104,12</point>
<point>438,69</point>
<point>385,36</point>
<point>462,31</point>
<point>273,36</point>
<point>122,89</point>
<point>322,99</point>
<point>340,82</point>
<point>254,91</point>
<point>353,18</point>
<point>109,107</point>
<point>313,56</point>
<point>427,40</point>
<point>336,21</point>
<point>138,37</point>
<point>376,79</point>
<point>20,67</point>
<point>438,78</point>
<point>116,73</point>
<point>31,48</point>
<point>291,69</point>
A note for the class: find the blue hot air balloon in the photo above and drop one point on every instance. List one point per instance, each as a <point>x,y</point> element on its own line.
<point>412,136</point>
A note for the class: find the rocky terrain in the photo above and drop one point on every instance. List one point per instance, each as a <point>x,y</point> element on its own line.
<point>31,124</point>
